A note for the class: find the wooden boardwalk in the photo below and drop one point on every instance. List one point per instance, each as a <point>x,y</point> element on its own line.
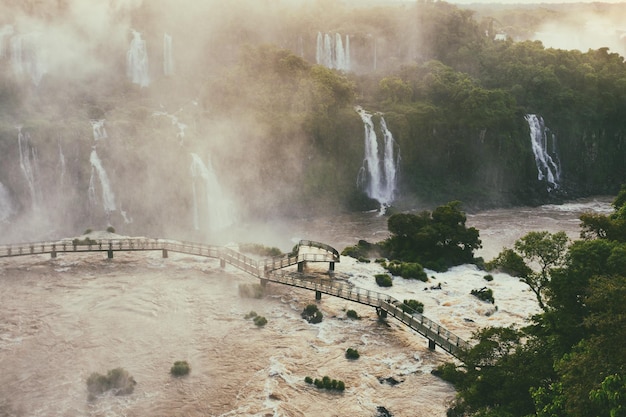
<point>267,270</point>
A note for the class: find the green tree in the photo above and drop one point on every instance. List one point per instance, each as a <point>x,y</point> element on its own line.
<point>548,251</point>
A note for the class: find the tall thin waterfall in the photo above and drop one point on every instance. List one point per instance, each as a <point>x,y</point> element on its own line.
<point>7,208</point>
<point>546,156</point>
<point>26,56</point>
<point>97,170</point>
<point>331,52</point>
<point>379,173</point>
<point>99,132</point>
<point>5,33</point>
<point>168,61</point>
<point>211,206</point>
<point>137,61</point>
<point>30,167</point>
<point>108,198</point>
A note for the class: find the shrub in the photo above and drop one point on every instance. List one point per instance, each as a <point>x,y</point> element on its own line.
<point>180,368</point>
<point>327,383</point>
<point>87,231</point>
<point>111,229</point>
<point>117,380</point>
<point>352,315</point>
<point>509,262</point>
<point>261,250</point>
<point>383,280</point>
<point>250,315</point>
<point>412,306</point>
<point>363,260</point>
<point>352,354</point>
<point>407,270</point>
<point>312,314</point>
<point>488,277</point>
<point>260,321</point>
<point>485,294</point>
<point>362,250</point>
<point>308,380</point>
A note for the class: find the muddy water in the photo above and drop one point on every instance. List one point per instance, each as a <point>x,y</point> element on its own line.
<point>62,319</point>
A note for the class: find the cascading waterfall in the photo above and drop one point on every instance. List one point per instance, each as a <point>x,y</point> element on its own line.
<point>218,209</point>
<point>30,167</point>
<point>25,56</point>
<point>331,52</point>
<point>137,61</point>
<point>5,32</point>
<point>99,132</point>
<point>168,61</point>
<point>108,198</point>
<point>547,161</point>
<point>379,173</point>
<point>97,170</point>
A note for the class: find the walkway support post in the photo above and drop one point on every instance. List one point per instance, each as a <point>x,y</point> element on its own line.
<point>431,344</point>
<point>381,313</point>
<point>318,295</point>
<point>301,266</point>
<point>164,253</point>
<point>110,254</point>
<point>331,267</point>
<point>222,263</point>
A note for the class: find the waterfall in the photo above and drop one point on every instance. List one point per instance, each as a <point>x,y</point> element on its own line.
<point>6,204</point>
<point>547,161</point>
<point>30,167</point>
<point>209,201</point>
<point>25,56</point>
<point>137,61</point>
<point>99,132</point>
<point>108,198</point>
<point>378,175</point>
<point>168,62</point>
<point>333,54</point>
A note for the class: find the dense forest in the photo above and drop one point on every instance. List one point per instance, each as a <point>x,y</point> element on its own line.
<point>570,360</point>
<point>247,96</point>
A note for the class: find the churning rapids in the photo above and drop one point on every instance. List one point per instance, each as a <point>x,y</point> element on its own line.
<point>62,319</point>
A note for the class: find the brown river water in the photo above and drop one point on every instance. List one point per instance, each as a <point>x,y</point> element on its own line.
<point>65,318</point>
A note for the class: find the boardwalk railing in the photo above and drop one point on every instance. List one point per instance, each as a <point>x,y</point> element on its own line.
<point>267,269</point>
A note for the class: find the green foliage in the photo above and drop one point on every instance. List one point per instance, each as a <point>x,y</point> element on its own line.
<point>436,240</point>
<point>312,314</point>
<point>484,294</point>
<point>84,242</point>
<point>407,270</point>
<point>250,315</point>
<point>117,380</point>
<point>260,321</point>
<point>352,315</point>
<point>352,354</point>
<point>260,250</point>
<point>488,277</point>
<point>412,306</point>
<point>87,231</point>
<point>329,384</point>
<point>383,280</point>
<point>362,250</point>
<point>111,229</point>
<point>509,262</point>
<point>180,368</point>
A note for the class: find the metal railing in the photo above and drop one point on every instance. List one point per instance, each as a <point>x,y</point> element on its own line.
<point>267,269</point>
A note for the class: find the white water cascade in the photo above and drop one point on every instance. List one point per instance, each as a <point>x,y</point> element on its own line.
<point>379,173</point>
<point>137,61</point>
<point>97,170</point>
<point>546,156</point>
<point>331,51</point>
<point>30,167</point>
<point>210,203</point>
<point>26,56</point>
<point>168,60</point>
<point>108,198</point>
